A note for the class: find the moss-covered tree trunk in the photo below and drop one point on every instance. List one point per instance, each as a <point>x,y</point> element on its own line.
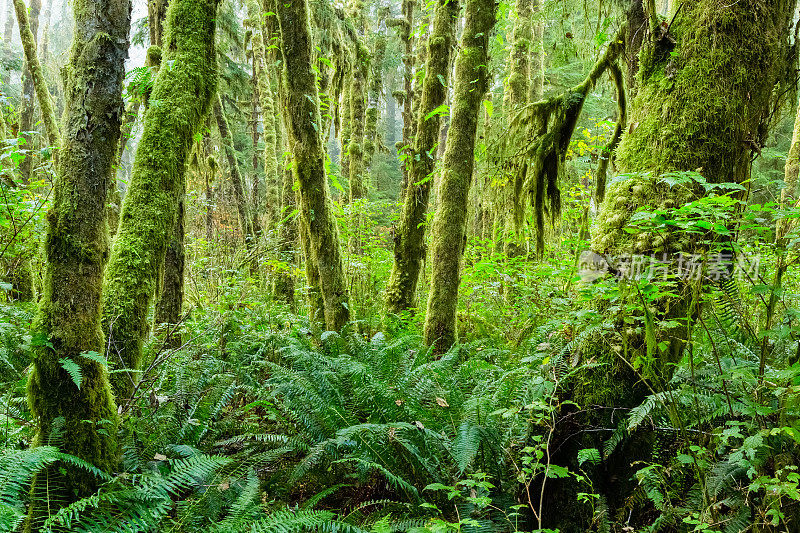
<point>68,322</point>
<point>271,154</point>
<point>371,136</point>
<point>226,138</point>
<point>169,304</point>
<point>156,16</point>
<point>28,30</point>
<point>35,73</point>
<point>791,171</point>
<point>700,106</point>
<point>180,100</point>
<point>409,237</point>
<point>305,141</point>
<point>406,25</point>
<point>517,88</point>
<point>288,236</point>
<point>449,231</point>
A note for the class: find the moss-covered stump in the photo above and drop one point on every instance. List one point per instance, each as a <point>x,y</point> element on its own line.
<point>180,100</point>
<point>76,248</point>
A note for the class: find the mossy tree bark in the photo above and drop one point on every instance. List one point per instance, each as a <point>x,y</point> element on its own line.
<point>405,26</point>
<point>180,99</point>
<point>371,137</point>
<point>449,231</point>
<point>302,102</point>
<point>791,171</point>
<point>34,71</point>
<point>236,175</point>
<point>409,238</point>
<point>28,36</point>
<point>700,105</point>
<point>68,322</point>
<point>517,89</point>
<point>169,305</point>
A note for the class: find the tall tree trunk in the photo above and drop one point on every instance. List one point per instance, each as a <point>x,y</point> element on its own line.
<point>409,238</point>
<point>518,87</point>
<point>8,35</point>
<point>273,151</point>
<point>283,287</point>
<point>181,98</point>
<point>449,231</point>
<point>28,31</point>
<point>169,303</point>
<point>791,171</point>
<point>255,111</point>
<point>44,40</point>
<point>236,176</point>
<point>705,108</point>
<point>302,103</point>
<point>406,25</point>
<point>156,16</point>
<point>76,246</point>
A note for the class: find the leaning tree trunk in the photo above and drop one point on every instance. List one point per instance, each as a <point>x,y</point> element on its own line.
<point>449,232</point>
<point>68,323</point>
<point>302,102</point>
<point>409,238</point>
<point>28,30</point>
<point>35,74</point>
<point>180,99</point>
<point>700,106</point>
<point>169,305</point>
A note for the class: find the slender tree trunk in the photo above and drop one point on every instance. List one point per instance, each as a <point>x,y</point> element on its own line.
<point>371,137</point>
<point>34,75</point>
<point>233,168</point>
<point>183,94</point>
<point>302,102</point>
<point>273,174</point>
<point>791,171</point>
<point>283,288</point>
<point>409,238</point>
<point>255,111</point>
<point>518,87</point>
<point>8,35</point>
<point>406,25</point>
<point>156,16</point>
<point>449,231</point>
<point>30,23</point>
<point>44,40</point>
<point>76,246</point>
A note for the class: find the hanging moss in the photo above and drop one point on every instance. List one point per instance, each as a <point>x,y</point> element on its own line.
<point>302,103</point>
<point>68,324</point>
<point>448,235</point>
<point>181,98</point>
<point>409,237</point>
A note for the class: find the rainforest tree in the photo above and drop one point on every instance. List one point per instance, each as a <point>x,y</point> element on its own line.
<point>448,234</point>
<point>68,332</point>
<point>179,102</point>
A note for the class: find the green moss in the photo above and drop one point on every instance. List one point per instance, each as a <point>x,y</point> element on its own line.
<point>409,246</point>
<point>448,234</point>
<point>68,324</point>
<point>318,227</point>
<point>178,105</point>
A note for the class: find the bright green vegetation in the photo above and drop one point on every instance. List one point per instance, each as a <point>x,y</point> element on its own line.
<point>527,266</point>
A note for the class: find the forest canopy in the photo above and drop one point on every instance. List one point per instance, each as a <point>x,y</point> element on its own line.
<point>366,266</point>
